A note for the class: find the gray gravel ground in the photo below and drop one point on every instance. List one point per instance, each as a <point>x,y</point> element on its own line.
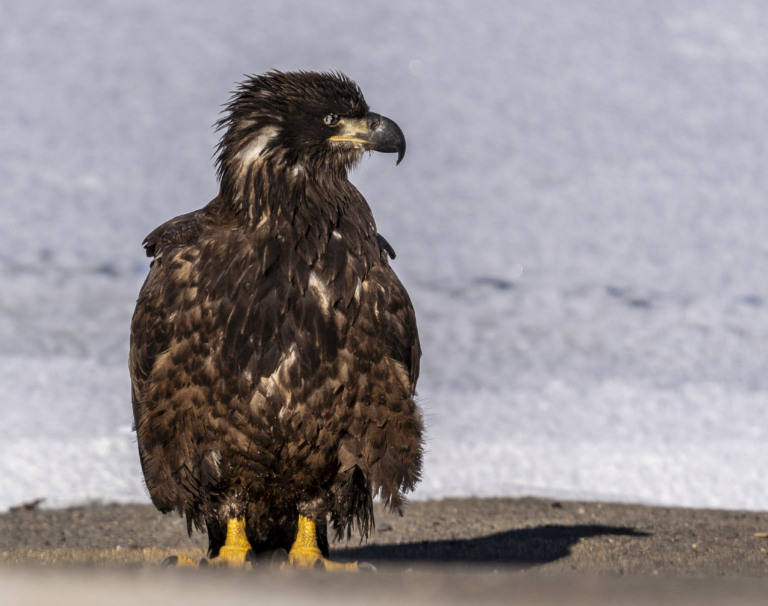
<point>451,551</point>
<point>533,534</point>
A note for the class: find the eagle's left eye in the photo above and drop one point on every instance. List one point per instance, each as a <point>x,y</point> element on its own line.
<point>331,119</point>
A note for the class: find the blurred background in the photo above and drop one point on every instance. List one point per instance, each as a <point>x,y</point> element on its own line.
<point>580,220</point>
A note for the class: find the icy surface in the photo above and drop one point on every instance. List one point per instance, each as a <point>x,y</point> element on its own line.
<point>581,221</point>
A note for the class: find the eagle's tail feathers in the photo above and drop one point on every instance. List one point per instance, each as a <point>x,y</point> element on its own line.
<point>352,505</point>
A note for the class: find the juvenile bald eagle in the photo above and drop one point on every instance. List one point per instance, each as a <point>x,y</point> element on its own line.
<point>274,353</point>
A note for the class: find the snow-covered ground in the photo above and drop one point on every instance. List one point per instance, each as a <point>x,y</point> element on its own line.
<point>581,221</point>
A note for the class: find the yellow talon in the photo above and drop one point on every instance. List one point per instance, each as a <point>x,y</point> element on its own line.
<point>305,553</point>
<point>236,546</point>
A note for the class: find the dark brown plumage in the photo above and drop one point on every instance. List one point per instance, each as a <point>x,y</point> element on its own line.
<point>274,353</point>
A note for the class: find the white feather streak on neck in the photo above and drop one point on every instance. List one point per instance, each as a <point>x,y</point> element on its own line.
<point>253,151</point>
<point>247,158</point>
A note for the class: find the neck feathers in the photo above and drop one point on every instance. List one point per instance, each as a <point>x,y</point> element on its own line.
<point>266,192</point>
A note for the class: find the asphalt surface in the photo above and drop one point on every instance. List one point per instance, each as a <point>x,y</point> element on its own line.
<point>451,551</point>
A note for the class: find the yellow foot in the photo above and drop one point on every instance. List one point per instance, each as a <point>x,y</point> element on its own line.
<point>306,554</point>
<point>236,552</point>
<point>236,549</point>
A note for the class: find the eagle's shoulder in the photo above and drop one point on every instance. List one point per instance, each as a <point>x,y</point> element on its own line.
<point>182,230</point>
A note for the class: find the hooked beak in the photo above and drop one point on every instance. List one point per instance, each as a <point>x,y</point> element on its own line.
<point>373,133</point>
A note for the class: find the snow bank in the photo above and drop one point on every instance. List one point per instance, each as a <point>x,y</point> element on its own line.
<point>580,221</point>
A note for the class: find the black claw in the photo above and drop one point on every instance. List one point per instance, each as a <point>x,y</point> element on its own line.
<point>204,562</point>
<point>319,565</point>
<point>366,567</point>
<point>170,562</point>
<point>250,556</point>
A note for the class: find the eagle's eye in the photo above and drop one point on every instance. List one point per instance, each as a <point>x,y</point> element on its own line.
<point>331,119</point>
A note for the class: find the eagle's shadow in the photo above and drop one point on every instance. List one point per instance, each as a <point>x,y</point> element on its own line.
<point>525,547</point>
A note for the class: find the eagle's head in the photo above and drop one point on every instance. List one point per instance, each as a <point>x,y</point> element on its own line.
<point>302,123</point>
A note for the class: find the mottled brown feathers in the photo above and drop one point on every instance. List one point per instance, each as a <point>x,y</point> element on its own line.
<point>274,353</point>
